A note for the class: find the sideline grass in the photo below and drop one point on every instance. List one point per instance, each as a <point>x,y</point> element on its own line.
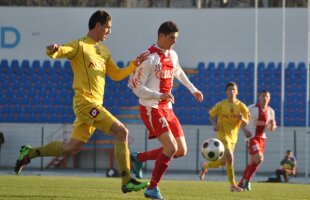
<point>68,187</point>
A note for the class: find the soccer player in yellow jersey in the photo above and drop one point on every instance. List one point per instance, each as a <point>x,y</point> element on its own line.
<point>227,116</point>
<point>91,61</point>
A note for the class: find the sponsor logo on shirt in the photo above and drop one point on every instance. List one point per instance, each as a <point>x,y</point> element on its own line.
<point>259,123</point>
<point>163,74</point>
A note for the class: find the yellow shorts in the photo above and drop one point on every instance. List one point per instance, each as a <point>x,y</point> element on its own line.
<point>88,118</point>
<point>227,141</point>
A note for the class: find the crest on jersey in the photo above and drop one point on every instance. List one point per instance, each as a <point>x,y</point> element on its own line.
<point>94,112</point>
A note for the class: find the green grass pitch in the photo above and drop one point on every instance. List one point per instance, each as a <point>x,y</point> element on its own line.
<point>70,187</point>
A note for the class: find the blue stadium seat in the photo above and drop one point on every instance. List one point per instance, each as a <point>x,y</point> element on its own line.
<point>48,72</point>
<point>5,73</point>
<point>15,68</point>
<point>271,67</point>
<point>36,68</point>
<point>249,72</point>
<point>201,66</point>
<point>290,66</point>
<point>221,67</point>
<point>301,66</point>
<point>301,72</point>
<point>220,71</point>
<point>120,64</point>
<point>241,66</point>
<point>26,70</point>
<point>261,67</point>
<point>231,66</point>
<point>230,71</point>
<point>57,68</point>
<point>4,63</point>
<point>68,69</point>
<point>211,66</point>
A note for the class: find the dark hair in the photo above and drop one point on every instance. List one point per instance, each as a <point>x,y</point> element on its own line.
<point>100,16</point>
<point>231,84</point>
<point>264,91</point>
<point>167,28</point>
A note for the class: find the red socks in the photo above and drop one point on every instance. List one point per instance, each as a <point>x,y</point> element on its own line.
<point>149,155</point>
<point>161,164</point>
<point>250,170</point>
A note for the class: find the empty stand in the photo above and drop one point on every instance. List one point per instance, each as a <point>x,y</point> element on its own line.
<point>41,92</point>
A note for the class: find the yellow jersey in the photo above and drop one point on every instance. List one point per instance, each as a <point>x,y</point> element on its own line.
<point>90,62</point>
<point>228,118</point>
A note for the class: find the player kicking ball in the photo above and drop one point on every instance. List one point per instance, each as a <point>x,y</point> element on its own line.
<point>227,116</point>
<point>91,62</point>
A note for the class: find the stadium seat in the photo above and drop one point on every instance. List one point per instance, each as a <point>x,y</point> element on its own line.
<point>231,66</point>
<point>201,66</point>
<point>120,64</point>
<point>15,68</point>
<point>26,70</point>
<point>4,62</point>
<point>241,66</point>
<point>221,67</point>
<point>47,69</point>
<point>230,72</point>
<point>271,67</point>
<point>57,68</point>
<point>220,71</point>
<point>301,72</point>
<point>68,69</point>
<point>261,67</point>
<point>36,68</point>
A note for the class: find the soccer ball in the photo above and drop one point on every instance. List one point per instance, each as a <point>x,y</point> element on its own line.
<point>212,149</point>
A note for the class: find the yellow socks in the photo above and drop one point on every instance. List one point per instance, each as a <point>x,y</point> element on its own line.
<point>214,164</point>
<point>122,155</point>
<point>51,149</point>
<point>230,172</point>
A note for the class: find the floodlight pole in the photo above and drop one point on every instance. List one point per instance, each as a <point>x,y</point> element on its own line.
<point>282,79</point>
<point>308,101</point>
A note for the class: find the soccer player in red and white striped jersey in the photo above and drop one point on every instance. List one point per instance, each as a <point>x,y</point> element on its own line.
<point>262,117</point>
<point>152,83</point>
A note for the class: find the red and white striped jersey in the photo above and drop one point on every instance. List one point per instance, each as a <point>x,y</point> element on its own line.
<point>260,120</point>
<point>155,76</point>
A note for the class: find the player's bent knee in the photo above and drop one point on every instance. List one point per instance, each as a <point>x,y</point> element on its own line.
<point>180,153</point>
<point>170,150</point>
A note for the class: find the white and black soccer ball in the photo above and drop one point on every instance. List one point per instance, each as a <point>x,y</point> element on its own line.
<point>212,149</point>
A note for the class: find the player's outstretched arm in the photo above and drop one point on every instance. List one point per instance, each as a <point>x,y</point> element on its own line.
<point>117,74</point>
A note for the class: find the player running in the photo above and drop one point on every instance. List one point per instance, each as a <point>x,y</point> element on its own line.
<point>230,113</point>
<point>152,83</point>
<point>91,61</point>
<point>262,117</point>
